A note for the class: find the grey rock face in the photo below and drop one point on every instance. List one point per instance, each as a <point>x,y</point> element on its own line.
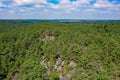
<point>69,75</point>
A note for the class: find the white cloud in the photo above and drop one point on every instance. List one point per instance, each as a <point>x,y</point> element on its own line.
<point>23,2</point>
<point>44,12</point>
<point>11,12</point>
<point>65,8</point>
<point>68,5</point>
<point>22,10</point>
<point>38,6</point>
<point>25,9</point>
<point>106,5</point>
<point>5,0</point>
<point>2,5</point>
<point>103,4</point>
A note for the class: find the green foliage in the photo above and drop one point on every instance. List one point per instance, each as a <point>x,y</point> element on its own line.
<point>31,69</point>
<point>95,47</point>
<point>54,76</point>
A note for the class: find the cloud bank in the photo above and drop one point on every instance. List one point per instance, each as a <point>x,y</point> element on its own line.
<point>59,9</point>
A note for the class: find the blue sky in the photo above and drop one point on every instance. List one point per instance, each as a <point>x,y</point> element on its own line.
<point>60,9</point>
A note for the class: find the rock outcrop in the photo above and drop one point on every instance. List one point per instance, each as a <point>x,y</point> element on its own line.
<point>49,37</point>
<point>60,67</point>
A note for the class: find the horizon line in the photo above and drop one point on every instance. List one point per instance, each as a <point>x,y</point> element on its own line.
<point>58,19</point>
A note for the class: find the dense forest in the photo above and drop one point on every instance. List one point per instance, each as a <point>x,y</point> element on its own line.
<point>59,51</point>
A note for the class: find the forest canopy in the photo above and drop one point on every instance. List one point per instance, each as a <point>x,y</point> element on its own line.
<point>59,51</point>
